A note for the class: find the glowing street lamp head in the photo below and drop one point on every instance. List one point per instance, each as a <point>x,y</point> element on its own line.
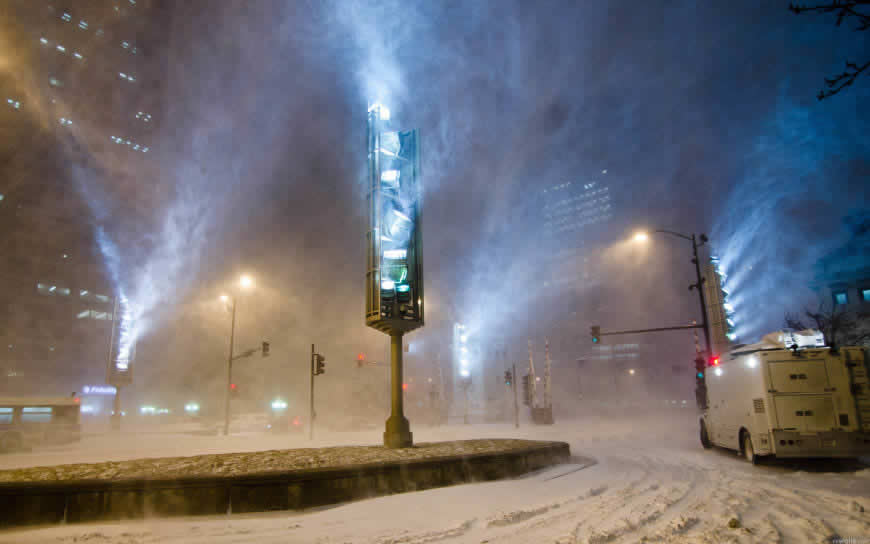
<point>246,281</point>
<point>225,298</point>
<point>640,236</point>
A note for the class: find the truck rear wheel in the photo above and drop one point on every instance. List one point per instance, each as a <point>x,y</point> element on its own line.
<point>705,439</point>
<point>748,450</point>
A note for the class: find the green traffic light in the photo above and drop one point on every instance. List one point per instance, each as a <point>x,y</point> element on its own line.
<point>700,374</point>
<point>594,340</point>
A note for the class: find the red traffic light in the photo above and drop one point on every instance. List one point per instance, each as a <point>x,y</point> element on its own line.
<point>361,357</point>
<point>714,361</point>
<point>232,386</point>
<point>404,387</point>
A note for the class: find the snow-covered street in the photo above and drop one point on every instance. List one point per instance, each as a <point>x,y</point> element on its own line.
<point>652,482</point>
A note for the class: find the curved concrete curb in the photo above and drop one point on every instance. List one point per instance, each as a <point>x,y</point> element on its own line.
<point>95,500</point>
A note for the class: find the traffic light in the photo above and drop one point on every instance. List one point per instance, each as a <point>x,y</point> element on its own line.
<point>700,384</point>
<point>714,360</point>
<point>699,367</point>
<point>234,391</point>
<point>595,330</point>
<point>508,377</point>
<point>360,360</point>
<point>265,349</point>
<point>527,398</point>
<point>319,364</point>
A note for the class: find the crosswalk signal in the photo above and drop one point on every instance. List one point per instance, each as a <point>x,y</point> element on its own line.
<point>595,330</point>
<point>508,377</point>
<point>265,350</point>
<point>319,364</point>
<point>527,397</point>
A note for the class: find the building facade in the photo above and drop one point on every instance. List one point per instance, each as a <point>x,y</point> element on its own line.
<point>79,102</point>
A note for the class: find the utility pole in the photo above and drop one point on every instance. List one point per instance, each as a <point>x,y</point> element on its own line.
<point>547,392</point>
<point>115,421</point>
<point>311,399</point>
<point>532,385</point>
<point>700,287</point>
<point>229,372</point>
<point>516,402</point>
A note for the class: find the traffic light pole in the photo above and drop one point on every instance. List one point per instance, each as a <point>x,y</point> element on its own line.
<point>614,333</point>
<point>311,398</point>
<point>229,373</point>
<point>516,401</point>
<point>398,431</point>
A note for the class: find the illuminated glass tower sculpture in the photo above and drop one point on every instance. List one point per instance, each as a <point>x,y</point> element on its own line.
<point>122,352</point>
<point>394,269</point>
<point>720,312</point>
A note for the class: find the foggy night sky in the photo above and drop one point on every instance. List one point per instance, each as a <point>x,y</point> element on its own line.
<point>703,114</point>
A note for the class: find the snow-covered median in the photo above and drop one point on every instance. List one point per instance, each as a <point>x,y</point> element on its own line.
<point>239,464</point>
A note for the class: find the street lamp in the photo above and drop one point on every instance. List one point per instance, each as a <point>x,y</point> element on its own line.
<point>697,242</point>
<point>245,282</point>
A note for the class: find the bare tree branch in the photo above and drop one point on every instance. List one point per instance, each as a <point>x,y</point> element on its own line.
<point>845,9</point>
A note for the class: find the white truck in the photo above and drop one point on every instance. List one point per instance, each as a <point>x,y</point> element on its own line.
<point>806,401</point>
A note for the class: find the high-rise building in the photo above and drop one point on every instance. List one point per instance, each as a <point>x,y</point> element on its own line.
<point>79,97</point>
<point>573,214</point>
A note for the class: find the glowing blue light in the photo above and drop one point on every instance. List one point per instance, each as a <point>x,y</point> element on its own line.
<point>390,175</point>
<point>404,288</point>
<point>395,253</point>
<point>383,111</point>
<point>732,336</point>
<point>402,216</point>
<point>388,284</point>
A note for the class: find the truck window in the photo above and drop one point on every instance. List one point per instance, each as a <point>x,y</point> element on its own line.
<point>36,414</point>
<point>6,414</point>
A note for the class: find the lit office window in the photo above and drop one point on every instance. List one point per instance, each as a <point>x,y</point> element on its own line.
<point>83,314</point>
<point>83,25</point>
<point>66,17</point>
<point>101,298</point>
<point>865,293</point>
<point>45,289</point>
<point>63,291</point>
<point>6,414</point>
<point>14,103</point>
<point>840,298</point>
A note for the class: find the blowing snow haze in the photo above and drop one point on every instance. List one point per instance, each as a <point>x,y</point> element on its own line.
<point>172,147</point>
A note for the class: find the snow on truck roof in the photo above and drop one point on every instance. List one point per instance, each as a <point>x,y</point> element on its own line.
<point>784,340</point>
